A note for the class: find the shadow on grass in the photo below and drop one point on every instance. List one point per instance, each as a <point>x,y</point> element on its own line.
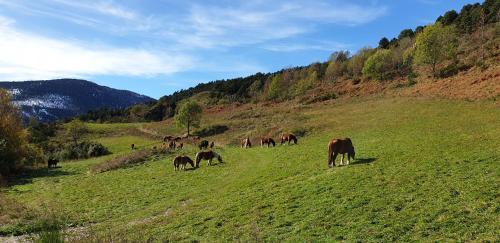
<point>363,161</point>
<point>27,176</point>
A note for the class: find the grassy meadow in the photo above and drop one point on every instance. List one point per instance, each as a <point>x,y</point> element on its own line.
<point>425,170</point>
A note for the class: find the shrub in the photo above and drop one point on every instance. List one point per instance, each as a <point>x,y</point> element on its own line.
<point>211,130</point>
<point>378,66</point>
<point>300,131</point>
<point>82,150</point>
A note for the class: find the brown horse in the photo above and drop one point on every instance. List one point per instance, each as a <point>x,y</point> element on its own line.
<point>288,138</point>
<point>181,161</point>
<point>246,143</point>
<point>267,141</point>
<point>207,155</point>
<point>212,144</point>
<point>340,146</point>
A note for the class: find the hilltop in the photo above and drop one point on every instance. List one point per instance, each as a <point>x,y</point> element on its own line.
<point>52,100</point>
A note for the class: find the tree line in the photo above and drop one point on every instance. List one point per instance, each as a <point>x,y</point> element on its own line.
<point>456,41</point>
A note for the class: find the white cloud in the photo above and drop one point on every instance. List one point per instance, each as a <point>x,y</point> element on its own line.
<point>27,56</point>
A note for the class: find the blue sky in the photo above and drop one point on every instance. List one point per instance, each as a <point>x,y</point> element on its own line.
<point>156,47</point>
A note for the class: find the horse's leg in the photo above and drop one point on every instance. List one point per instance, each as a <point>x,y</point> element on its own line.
<point>342,160</point>
<point>334,158</point>
<point>210,162</point>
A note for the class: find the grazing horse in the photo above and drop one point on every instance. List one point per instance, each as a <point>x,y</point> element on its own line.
<point>52,163</point>
<point>267,141</point>
<point>181,161</point>
<point>181,145</point>
<point>207,155</point>
<point>203,144</point>
<point>288,138</point>
<point>340,146</point>
<point>132,146</point>
<point>246,143</point>
<point>212,144</point>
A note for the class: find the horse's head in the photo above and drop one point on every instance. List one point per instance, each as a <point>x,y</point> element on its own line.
<point>219,158</point>
<point>352,153</point>
<point>190,161</point>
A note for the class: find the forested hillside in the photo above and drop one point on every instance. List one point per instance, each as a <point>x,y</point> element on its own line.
<point>457,42</point>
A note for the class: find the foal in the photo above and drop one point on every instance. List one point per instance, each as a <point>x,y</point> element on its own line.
<point>207,155</point>
<point>340,146</point>
<point>181,161</point>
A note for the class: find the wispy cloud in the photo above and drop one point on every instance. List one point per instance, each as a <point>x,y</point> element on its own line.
<point>27,55</point>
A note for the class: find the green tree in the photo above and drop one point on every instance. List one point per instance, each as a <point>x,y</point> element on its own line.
<point>355,65</point>
<point>383,43</point>
<point>275,87</point>
<point>75,130</point>
<point>189,115</point>
<point>434,45</point>
<point>378,65</point>
<point>406,33</point>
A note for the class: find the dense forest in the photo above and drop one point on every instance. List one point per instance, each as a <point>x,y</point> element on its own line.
<point>457,41</point>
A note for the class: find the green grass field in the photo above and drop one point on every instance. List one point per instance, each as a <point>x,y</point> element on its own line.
<point>426,170</point>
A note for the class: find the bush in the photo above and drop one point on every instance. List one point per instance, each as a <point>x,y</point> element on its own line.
<point>300,131</point>
<point>378,66</point>
<point>211,130</point>
<point>82,150</point>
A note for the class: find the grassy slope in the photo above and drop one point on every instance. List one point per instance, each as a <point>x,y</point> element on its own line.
<point>426,170</point>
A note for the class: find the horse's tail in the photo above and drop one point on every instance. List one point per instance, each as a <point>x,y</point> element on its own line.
<point>330,153</point>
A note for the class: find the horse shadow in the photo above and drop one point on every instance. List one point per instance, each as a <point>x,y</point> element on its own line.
<point>27,176</point>
<point>363,161</point>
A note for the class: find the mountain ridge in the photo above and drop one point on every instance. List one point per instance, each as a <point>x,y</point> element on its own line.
<point>52,100</point>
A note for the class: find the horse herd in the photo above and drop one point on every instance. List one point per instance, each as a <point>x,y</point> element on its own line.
<point>335,147</point>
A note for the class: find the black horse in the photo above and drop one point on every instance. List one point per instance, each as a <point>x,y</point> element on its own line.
<point>203,144</point>
<point>52,163</point>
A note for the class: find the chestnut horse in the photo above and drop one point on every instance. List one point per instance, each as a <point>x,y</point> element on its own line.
<point>267,141</point>
<point>181,161</point>
<point>207,155</point>
<point>246,143</point>
<point>340,146</point>
<point>288,138</point>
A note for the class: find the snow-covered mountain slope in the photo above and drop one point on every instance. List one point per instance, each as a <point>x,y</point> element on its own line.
<point>52,100</point>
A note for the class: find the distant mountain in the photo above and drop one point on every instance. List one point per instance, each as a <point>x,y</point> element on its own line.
<point>51,100</point>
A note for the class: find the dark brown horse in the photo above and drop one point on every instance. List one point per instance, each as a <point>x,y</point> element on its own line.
<point>52,163</point>
<point>181,161</point>
<point>132,146</point>
<point>246,143</point>
<point>203,144</point>
<point>207,155</point>
<point>267,141</point>
<point>340,146</point>
<point>288,138</point>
